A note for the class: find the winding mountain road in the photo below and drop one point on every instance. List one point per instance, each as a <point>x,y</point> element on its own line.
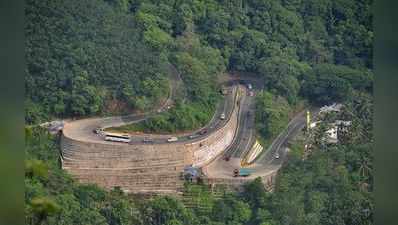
<point>224,164</point>
<point>266,163</point>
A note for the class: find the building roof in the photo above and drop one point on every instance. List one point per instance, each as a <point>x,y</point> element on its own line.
<point>194,172</point>
<point>335,107</point>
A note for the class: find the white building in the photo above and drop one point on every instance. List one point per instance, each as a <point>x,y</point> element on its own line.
<point>331,135</point>
<point>331,108</point>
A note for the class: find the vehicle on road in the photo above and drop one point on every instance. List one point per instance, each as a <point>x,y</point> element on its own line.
<point>251,93</point>
<point>118,137</point>
<point>172,139</point>
<point>242,172</point>
<point>98,130</point>
<point>147,140</point>
<point>193,136</point>
<point>276,155</point>
<point>222,116</point>
<point>226,158</point>
<point>249,86</point>
<point>202,132</point>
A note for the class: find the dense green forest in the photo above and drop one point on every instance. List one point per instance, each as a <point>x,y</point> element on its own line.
<point>333,186</point>
<point>272,115</point>
<point>112,56</point>
<point>88,57</point>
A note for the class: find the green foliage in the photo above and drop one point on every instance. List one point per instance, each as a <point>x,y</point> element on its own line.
<point>271,114</point>
<point>335,178</point>
<point>330,83</point>
<point>157,38</point>
<point>82,53</point>
<point>281,76</point>
<point>199,66</point>
<point>332,186</point>
<point>181,117</point>
<point>166,210</point>
<point>232,211</point>
<point>42,208</point>
<point>36,168</point>
<point>319,190</point>
<point>255,194</point>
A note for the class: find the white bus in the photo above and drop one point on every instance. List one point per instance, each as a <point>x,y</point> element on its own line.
<point>118,137</point>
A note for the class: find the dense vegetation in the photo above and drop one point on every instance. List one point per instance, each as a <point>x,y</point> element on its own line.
<point>271,114</point>
<point>96,56</point>
<point>332,186</point>
<point>93,56</point>
<point>199,66</point>
<point>104,56</point>
<point>83,56</point>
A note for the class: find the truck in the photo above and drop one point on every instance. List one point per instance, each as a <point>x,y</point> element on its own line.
<point>242,172</point>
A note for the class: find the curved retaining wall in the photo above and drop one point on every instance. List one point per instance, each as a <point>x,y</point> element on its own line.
<point>142,168</point>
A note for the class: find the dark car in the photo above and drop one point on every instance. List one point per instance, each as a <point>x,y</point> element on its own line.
<point>98,130</point>
<point>204,131</point>
<point>236,172</point>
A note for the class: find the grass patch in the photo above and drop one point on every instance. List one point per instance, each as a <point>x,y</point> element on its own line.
<point>181,118</point>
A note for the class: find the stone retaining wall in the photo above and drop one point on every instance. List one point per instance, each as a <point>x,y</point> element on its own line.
<point>143,167</point>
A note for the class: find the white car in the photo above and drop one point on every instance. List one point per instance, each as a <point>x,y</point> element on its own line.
<point>222,116</point>
<point>193,136</point>
<point>276,155</point>
<point>172,139</point>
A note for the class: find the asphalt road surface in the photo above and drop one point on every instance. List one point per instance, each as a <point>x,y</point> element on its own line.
<point>220,167</point>
<point>266,163</point>
<point>83,129</point>
<point>245,134</point>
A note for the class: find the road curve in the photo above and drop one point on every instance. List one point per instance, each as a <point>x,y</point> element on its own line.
<point>266,163</point>
<point>82,130</point>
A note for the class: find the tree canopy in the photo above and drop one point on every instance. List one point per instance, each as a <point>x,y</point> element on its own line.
<point>87,57</point>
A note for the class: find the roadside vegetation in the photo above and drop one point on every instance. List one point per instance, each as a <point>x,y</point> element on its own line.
<point>100,57</point>
<point>332,186</point>
<point>182,117</point>
<point>272,116</point>
<point>90,57</point>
